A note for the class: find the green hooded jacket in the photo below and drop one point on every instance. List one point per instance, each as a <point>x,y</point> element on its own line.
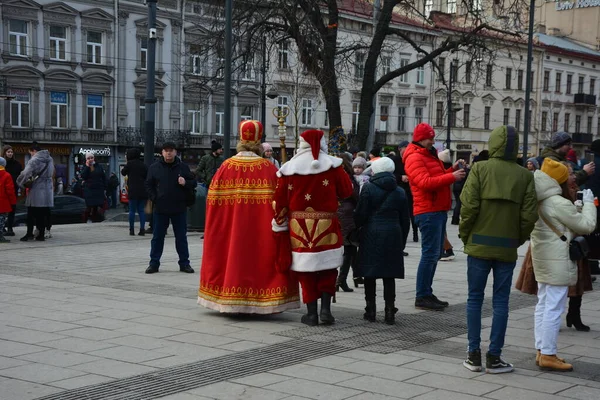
<point>499,204</point>
<point>580,176</point>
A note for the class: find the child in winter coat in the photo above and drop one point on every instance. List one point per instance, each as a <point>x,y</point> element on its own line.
<point>358,165</point>
<point>8,199</point>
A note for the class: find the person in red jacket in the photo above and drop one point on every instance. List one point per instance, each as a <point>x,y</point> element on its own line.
<point>430,185</point>
<point>8,199</point>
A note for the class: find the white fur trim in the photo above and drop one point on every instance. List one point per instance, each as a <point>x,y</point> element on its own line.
<point>301,164</point>
<point>279,228</point>
<point>315,164</point>
<point>321,261</point>
<point>248,309</point>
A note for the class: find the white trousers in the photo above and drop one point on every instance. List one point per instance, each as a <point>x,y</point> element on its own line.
<point>551,304</point>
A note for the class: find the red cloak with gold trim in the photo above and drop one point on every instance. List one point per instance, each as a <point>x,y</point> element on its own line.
<point>238,262</point>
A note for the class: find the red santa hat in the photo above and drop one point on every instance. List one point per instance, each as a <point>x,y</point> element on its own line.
<point>313,139</point>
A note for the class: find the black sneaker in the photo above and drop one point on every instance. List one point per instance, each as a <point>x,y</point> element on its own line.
<point>496,365</point>
<point>473,361</point>
<point>426,303</point>
<point>151,269</point>
<point>436,300</point>
<point>10,232</point>
<point>447,256</point>
<point>26,238</point>
<point>186,269</point>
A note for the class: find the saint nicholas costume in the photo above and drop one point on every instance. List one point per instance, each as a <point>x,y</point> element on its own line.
<point>237,276</point>
<point>306,203</point>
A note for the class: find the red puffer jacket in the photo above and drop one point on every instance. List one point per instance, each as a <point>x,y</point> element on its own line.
<point>429,181</point>
<point>7,192</point>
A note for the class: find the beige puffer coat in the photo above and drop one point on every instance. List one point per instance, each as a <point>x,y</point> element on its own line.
<point>551,262</point>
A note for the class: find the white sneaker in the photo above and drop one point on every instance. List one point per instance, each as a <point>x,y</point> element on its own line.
<point>36,232</point>
<point>48,235</point>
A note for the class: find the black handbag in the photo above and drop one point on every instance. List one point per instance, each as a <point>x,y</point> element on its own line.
<point>578,246</point>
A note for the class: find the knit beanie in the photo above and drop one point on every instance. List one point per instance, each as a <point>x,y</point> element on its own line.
<point>384,164</point>
<point>376,151</point>
<point>423,131</point>
<point>2,162</point>
<point>215,146</point>
<point>266,146</point>
<point>445,157</point>
<point>534,161</point>
<point>572,156</point>
<point>559,139</point>
<point>557,171</point>
<point>359,162</point>
<point>595,147</point>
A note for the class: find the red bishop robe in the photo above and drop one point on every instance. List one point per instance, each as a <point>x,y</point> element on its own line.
<point>238,262</point>
<point>310,202</point>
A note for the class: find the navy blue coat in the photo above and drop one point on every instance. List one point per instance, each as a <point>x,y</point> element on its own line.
<point>163,189</point>
<point>94,185</point>
<point>382,215</point>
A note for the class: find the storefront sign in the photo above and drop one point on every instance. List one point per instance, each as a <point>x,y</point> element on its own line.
<point>464,147</point>
<point>569,5</point>
<point>53,149</point>
<point>105,152</point>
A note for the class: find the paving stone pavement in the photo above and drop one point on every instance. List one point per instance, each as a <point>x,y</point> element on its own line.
<point>79,319</point>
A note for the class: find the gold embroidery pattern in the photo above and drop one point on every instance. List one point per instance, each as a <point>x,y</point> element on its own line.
<point>313,232</point>
<point>313,214</point>
<point>241,190</point>
<point>237,295</point>
<point>246,163</point>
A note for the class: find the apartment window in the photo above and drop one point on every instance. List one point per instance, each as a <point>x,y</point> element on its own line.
<point>58,109</point>
<point>94,47</point>
<point>486,117</point>
<point>144,53</point>
<point>442,68</point>
<point>476,5</point>
<point>326,122</point>
<point>58,43</point>
<point>355,114</point>
<point>197,66</point>
<point>466,115</point>
<point>451,6</point>
<point>439,113</point>
<point>401,119</point>
<point>427,7</point>
<point>578,123</point>
<point>403,63</point>
<point>558,82</point>
<point>95,111</point>
<point>520,79</point>
<point>508,78</point>
<point>454,70</point>
<point>567,121</point>
<point>580,85</point>
<point>220,61</point>
<point>283,103</point>
<point>17,36</point>
<point>248,68</point>
<point>386,65</point>
<point>546,81</point>
<point>488,75</point>
<point>505,120</point>
<point>468,71</point>
<point>569,83</point>
<point>589,125</point>
<point>598,127</point>
<point>544,121</point>
<point>219,119</point>
<point>592,85</point>
<point>283,55</point>
<point>518,119</point>
<point>246,113</point>
<point>383,118</point>
<point>555,122</point>
<point>418,115</point>
<point>197,121</point>
<point>19,108</point>
<point>306,117</point>
<point>421,75</point>
<point>359,65</point>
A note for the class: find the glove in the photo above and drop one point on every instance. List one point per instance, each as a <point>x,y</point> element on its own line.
<point>588,196</point>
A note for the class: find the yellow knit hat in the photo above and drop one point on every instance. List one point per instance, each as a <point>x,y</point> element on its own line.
<point>557,171</point>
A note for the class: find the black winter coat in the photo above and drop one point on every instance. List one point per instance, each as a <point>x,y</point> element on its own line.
<point>14,168</point>
<point>382,215</point>
<point>398,172</point>
<point>136,173</point>
<point>94,185</point>
<point>346,211</point>
<point>163,189</point>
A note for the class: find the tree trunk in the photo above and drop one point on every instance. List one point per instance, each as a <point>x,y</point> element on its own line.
<point>364,118</point>
<point>332,101</point>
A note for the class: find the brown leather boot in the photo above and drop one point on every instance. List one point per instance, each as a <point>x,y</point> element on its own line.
<point>553,363</point>
<point>539,354</point>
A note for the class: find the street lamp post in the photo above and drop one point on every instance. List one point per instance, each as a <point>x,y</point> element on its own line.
<point>281,114</point>
<point>263,86</point>
<point>449,106</point>
<point>150,100</point>
<point>528,82</point>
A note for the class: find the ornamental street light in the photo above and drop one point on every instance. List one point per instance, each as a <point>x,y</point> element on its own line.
<point>281,114</point>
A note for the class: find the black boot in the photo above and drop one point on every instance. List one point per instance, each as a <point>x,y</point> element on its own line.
<point>131,232</point>
<point>358,281</point>
<point>574,314</point>
<point>10,232</point>
<point>311,318</point>
<point>415,236</point>
<point>370,311</point>
<point>343,274</point>
<point>326,317</point>
<point>390,313</point>
<point>343,285</point>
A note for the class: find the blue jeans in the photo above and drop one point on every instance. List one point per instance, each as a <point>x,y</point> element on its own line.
<point>433,230</point>
<point>477,273</point>
<point>137,205</point>
<point>161,223</point>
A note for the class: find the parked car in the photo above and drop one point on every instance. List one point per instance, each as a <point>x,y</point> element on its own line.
<point>67,210</point>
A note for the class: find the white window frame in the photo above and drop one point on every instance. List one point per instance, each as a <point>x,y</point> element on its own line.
<point>59,109</point>
<point>306,112</point>
<point>95,110</point>
<point>197,121</point>
<point>427,7</point>
<point>219,119</point>
<point>143,53</point>
<point>248,72</point>
<point>283,102</point>
<point>384,110</point>
<point>401,119</point>
<point>359,65</point>
<point>386,65</point>
<point>283,55</point>
<point>142,110</point>
<point>94,49</point>
<point>58,43</point>
<point>355,115</point>
<point>418,115</point>
<point>403,63</point>
<point>451,6</point>
<point>421,75</point>
<point>21,39</point>
<point>244,115</point>
<point>20,106</point>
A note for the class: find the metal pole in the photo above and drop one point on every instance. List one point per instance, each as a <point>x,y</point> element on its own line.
<point>528,82</point>
<point>228,54</point>
<point>450,108</point>
<point>371,137</point>
<point>150,101</point>
<point>263,87</point>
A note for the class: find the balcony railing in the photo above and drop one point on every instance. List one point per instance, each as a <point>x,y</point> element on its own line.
<point>19,134</point>
<point>583,138</point>
<point>96,136</point>
<point>133,137</point>
<point>584,99</point>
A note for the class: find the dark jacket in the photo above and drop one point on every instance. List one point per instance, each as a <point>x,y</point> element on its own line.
<point>499,203</point>
<point>208,166</point>
<point>581,176</point>
<point>94,185</point>
<point>382,215</point>
<point>113,183</point>
<point>14,168</point>
<point>163,189</point>
<point>398,173</point>
<point>346,211</point>
<point>593,183</point>
<point>136,173</point>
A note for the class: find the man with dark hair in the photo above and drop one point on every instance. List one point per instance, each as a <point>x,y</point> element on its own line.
<point>210,163</point>
<point>557,150</point>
